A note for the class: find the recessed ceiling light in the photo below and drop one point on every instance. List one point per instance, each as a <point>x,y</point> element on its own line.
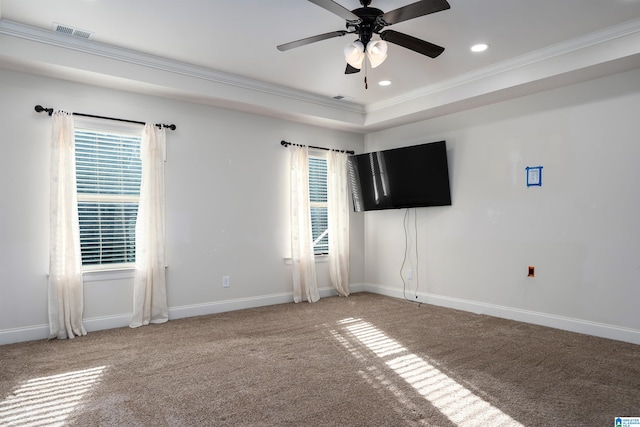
<point>480,47</point>
<point>384,82</point>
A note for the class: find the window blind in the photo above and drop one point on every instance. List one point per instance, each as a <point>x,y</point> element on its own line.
<point>318,201</point>
<point>108,174</point>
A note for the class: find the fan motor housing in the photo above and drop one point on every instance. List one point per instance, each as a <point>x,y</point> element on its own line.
<point>369,24</point>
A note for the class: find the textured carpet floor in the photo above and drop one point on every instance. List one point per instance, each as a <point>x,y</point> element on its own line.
<point>365,360</point>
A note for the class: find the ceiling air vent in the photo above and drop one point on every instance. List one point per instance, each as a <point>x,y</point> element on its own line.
<point>343,98</point>
<point>65,29</point>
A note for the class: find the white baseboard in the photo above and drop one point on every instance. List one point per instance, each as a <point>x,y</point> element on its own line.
<point>238,304</point>
<point>41,332</point>
<point>602,330</point>
<point>28,333</point>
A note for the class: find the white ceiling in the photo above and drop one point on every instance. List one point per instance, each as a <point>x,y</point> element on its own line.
<point>239,37</point>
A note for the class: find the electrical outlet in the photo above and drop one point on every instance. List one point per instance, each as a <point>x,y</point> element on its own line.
<point>410,274</point>
<point>226,281</point>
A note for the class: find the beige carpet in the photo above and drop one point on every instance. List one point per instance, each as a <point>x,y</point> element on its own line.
<point>365,360</point>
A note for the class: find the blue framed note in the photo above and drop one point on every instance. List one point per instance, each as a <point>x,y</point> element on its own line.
<point>534,176</point>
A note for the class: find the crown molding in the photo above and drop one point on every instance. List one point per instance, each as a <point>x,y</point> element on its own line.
<point>564,48</point>
<point>48,37</point>
<point>593,55</point>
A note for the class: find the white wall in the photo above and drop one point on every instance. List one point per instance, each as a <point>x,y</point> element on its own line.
<point>227,205</point>
<point>227,208</point>
<point>581,229</point>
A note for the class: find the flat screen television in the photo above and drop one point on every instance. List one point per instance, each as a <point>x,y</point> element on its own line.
<point>407,177</point>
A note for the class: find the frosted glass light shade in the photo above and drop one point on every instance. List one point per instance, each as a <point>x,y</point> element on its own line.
<point>354,54</point>
<point>377,52</point>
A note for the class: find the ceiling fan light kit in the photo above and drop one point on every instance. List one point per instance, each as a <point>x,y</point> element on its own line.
<point>376,53</point>
<point>367,21</point>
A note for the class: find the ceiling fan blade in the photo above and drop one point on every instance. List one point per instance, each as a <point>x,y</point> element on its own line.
<point>414,10</point>
<point>412,43</point>
<point>337,9</point>
<point>351,70</point>
<point>310,40</point>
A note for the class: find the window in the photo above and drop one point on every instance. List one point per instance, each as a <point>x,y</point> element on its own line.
<point>108,174</point>
<point>318,201</point>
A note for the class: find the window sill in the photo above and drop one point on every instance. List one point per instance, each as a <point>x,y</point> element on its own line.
<point>317,258</point>
<point>104,274</point>
<point>108,274</point>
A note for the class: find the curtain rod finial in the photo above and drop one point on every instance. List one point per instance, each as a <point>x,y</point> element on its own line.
<point>40,109</point>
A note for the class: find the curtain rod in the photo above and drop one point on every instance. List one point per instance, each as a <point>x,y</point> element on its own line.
<point>286,144</point>
<point>40,109</point>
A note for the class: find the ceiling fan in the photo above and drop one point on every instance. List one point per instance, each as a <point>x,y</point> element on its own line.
<point>367,21</point>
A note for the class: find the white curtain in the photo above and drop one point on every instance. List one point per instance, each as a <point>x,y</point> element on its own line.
<point>66,298</point>
<point>338,208</point>
<point>305,285</point>
<point>149,289</point>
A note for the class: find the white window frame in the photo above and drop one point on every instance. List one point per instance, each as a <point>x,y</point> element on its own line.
<point>108,271</point>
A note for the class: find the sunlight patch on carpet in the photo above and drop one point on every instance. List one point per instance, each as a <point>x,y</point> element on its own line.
<point>48,401</point>
<point>451,398</point>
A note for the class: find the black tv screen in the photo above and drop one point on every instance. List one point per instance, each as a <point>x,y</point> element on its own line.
<point>406,177</point>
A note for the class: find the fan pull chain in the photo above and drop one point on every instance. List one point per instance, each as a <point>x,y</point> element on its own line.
<point>366,85</point>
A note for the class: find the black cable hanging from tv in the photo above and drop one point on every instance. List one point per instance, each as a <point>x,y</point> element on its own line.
<point>40,109</point>
<point>286,144</point>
